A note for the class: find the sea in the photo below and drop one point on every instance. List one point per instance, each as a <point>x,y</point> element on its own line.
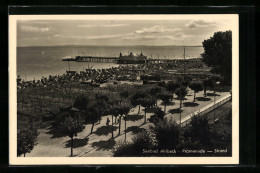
<point>37,62</point>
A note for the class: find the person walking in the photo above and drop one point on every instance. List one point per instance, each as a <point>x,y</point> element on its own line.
<point>107,123</point>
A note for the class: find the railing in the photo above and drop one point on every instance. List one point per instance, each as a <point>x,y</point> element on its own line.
<point>208,110</point>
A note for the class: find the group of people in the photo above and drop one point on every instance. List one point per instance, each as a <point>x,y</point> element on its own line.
<point>108,121</point>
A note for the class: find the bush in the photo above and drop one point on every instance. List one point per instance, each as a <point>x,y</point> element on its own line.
<point>143,140</point>
<point>124,150</point>
<point>199,130</point>
<point>167,133</point>
<point>191,145</point>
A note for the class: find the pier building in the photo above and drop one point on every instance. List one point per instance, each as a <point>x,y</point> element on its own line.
<point>131,59</point>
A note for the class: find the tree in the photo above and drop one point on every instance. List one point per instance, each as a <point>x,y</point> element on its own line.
<point>199,130</point>
<point>127,110</point>
<point>136,99</point>
<point>181,93</point>
<point>59,117</point>
<point>122,109</point>
<point>196,86</point>
<point>102,104</point>
<point>167,133</point>
<point>155,91</point>
<point>81,103</point>
<point>72,126</point>
<point>172,86</point>
<point>207,83</point>
<point>101,98</point>
<point>124,95</point>
<point>142,140</point>
<point>186,81</point>
<point>158,115</point>
<point>165,97</point>
<point>114,112</point>
<point>218,54</point>
<point>112,109</point>
<point>147,103</point>
<point>26,140</point>
<point>94,114</point>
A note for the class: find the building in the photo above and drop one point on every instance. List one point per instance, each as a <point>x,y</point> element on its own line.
<point>132,59</point>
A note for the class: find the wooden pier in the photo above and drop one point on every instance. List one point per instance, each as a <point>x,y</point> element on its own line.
<point>115,59</point>
<point>96,59</point>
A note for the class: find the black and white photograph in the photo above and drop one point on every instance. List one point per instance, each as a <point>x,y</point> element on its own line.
<point>130,89</point>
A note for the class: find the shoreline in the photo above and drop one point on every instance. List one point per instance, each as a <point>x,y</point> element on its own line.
<point>98,66</point>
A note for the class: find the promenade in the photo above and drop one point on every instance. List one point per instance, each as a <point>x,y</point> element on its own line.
<point>99,143</point>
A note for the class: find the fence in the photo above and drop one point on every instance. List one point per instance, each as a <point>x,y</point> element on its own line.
<point>208,110</point>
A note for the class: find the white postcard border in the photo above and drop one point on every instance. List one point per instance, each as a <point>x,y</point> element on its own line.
<point>14,160</point>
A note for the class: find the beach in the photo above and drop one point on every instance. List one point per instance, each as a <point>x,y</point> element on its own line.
<point>36,62</point>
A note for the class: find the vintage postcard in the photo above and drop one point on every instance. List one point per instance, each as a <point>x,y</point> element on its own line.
<point>123,89</point>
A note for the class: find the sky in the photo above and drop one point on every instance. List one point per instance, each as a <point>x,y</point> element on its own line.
<point>118,32</point>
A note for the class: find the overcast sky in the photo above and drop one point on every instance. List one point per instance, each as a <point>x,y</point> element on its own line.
<point>117,32</point>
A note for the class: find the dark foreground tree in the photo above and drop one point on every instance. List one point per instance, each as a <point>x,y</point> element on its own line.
<point>167,133</point>
<point>72,126</point>
<point>26,140</point>
<point>199,130</point>
<point>141,141</point>
<point>196,86</point>
<point>218,54</point>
